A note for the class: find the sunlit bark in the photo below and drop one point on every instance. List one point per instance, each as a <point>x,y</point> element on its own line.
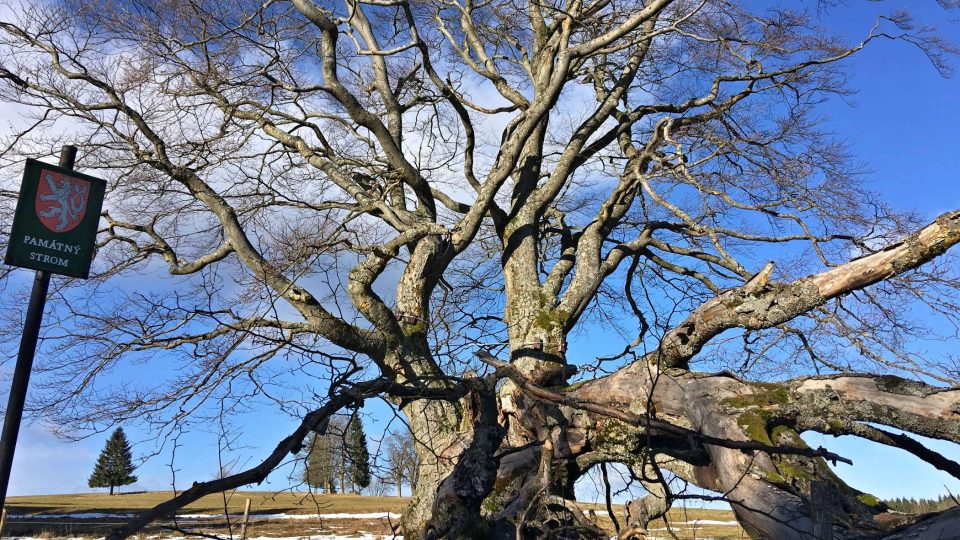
<point>323,180</point>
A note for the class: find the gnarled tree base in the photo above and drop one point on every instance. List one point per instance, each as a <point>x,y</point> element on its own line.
<point>716,431</point>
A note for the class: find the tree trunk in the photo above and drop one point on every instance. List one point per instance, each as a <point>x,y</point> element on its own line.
<point>730,436</point>
<point>743,443</point>
<point>457,467</point>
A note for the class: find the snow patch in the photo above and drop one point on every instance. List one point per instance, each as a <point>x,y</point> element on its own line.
<point>705,522</point>
<point>84,515</point>
<point>253,517</point>
<point>266,517</point>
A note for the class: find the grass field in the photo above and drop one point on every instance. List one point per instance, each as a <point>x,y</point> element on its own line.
<point>26,515</point>
<point>262,502</point>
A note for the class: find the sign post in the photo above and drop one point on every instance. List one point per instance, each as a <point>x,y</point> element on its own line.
<point>54,231</point>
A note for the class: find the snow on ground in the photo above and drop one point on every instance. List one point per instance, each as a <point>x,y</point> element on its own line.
<point>85,515</point>
<point>35,538</point>
<point>696,522</point>
<point>262,517</point>
<point>253,517</point>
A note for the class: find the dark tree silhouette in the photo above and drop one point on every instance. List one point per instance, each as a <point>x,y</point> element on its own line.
<point>115,465</point>
<point>358,455</point>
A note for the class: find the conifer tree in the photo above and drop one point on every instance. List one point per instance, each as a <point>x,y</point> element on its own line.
<point>115,464</point>
<point>357,454</point>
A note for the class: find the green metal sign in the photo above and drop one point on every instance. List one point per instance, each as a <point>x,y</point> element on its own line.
<point>55,226</point>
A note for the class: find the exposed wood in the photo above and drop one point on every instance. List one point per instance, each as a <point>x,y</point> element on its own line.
<point>321,183</point>
<point>246,518</point>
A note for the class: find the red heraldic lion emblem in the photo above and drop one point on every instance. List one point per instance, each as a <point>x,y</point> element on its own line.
<point>61,201</point>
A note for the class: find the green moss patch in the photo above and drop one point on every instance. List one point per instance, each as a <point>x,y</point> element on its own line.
<point>766,395</point>
<point>551,319</point>
<point>754,424</point>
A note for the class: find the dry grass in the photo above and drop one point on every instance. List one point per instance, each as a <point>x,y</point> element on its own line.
<point>261,502</point>
<point>682,523</point>
<point>681,520</point>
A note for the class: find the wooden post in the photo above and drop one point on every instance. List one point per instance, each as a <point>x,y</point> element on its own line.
<point>3,521</point>
<point>246,516</point>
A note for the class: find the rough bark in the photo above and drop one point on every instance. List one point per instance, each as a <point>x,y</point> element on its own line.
<point>775,495</point>
<point>499,455</point>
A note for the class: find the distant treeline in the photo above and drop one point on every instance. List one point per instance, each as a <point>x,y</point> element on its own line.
<point>920,506</point>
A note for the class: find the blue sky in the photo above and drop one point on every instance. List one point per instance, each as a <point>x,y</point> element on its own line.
<point>902,124</point>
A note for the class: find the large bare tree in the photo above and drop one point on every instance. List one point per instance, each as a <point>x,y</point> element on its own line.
<point>424,200</point>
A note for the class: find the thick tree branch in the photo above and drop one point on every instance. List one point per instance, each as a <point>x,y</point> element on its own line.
<point>646,421</point>
<point>775,303</point>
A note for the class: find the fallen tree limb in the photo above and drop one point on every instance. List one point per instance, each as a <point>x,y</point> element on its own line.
<point>653,425</point>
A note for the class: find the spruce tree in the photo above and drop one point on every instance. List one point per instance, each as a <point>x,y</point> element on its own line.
<point>357,454</point>
<point>115,464</point>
